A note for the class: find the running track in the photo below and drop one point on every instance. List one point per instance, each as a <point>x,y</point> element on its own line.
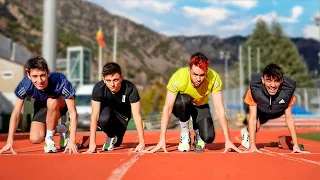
<point>274,163</point>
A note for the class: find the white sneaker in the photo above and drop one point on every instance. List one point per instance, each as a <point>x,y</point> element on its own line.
<point>50,147</point>
<point>108,146</point>
<point>184,145</point>
<point>245,138</point>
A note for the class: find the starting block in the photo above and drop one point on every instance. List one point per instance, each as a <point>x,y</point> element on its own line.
<point>84,142</point>
<point>285,142</point>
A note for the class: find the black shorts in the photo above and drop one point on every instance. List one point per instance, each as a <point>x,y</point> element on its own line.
<point>263,118</point>
<point>40,111</point>
<point>200,112</point>
<point>113,123</point>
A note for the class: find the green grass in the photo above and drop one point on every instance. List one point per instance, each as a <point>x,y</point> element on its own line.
<point>312,136</point>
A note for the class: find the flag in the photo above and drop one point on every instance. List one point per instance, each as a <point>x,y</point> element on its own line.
<point>100,38</point>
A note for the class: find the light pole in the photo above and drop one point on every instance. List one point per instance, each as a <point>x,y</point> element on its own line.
<point>49,33</point>
<point>317,22</point>
<point>241,78</point>
<point>225,56</point>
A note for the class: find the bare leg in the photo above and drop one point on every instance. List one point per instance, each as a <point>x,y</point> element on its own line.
<point>37,132</point>
<point>53,112</point>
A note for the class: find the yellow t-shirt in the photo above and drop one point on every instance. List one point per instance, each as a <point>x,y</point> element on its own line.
<point>180,82</point>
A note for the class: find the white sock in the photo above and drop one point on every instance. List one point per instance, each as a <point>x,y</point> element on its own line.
<point>184,127</point>
<point>62,128</point>
<point>49,137</point>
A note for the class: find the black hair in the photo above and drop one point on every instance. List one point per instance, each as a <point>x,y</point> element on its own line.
<point>273,71</point>
<point>36,63</point>
<point>111,68</point>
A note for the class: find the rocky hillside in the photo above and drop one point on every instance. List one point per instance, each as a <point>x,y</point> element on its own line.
<point>143,53</point>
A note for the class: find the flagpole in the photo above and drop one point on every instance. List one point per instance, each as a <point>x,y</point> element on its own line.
<point>100,60</point>
<point>115,44</point>
<point>100,57</point>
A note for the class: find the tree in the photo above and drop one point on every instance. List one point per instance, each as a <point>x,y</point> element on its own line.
<point>284,53</point>
<point>275,47</point>
<point>153,98</point>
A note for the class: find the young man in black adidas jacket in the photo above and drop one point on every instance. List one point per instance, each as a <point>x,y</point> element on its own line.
<point>269,97</point>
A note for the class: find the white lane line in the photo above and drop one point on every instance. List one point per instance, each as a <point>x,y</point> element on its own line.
<point>285,156</point>
<point>120,172</point>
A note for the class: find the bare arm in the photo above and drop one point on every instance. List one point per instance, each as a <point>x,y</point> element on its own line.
<point>166,113</point>
<point>135,107</point>
<point>291,125</point>
<point>73,118</point>
<point>94,120</point>
<point>252,124</point>
<point>220,112</point>
<point>14,119</point>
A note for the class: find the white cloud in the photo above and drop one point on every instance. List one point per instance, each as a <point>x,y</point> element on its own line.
<point>245,4</point>
<point>148,5</point>
<point>296,12</point>
<point>311,31</point>
<point>207,16</point>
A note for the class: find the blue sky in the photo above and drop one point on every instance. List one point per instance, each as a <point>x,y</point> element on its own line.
<point>223,18</point>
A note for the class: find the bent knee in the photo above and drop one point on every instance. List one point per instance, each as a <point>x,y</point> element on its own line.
<point>208,138</point>
<point>52,103</point>
<point>36,140</point>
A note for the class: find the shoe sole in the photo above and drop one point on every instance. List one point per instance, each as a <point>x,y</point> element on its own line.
<point>50,151</point>
<point>184,150</point>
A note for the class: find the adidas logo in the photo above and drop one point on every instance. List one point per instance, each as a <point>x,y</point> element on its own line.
<point>282,101</point>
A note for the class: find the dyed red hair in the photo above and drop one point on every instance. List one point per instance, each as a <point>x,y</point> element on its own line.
<point>200,61</point>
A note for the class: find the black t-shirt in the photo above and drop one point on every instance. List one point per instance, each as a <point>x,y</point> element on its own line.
<point>120,101</point>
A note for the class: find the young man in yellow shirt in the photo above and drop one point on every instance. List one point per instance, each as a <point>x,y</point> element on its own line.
<point>187,95</point>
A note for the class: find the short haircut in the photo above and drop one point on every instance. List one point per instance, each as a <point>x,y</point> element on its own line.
<point>36,63</point>
<point>199,60</point>
<point>273,71</point>
<point>111,68</point>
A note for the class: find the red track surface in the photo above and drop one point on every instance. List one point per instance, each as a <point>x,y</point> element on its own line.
<point>274,163</point>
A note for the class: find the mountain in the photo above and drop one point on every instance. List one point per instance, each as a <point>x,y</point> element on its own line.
<point>143,53</point>
<point>212,45</point>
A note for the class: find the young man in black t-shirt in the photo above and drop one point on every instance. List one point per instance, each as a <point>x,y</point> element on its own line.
<point>113,100</point>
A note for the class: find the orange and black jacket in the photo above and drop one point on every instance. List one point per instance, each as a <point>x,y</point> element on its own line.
<point>268,105</point>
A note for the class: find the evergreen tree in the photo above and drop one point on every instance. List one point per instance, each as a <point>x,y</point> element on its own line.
<point>285,54</point>
<point>275,47</point>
